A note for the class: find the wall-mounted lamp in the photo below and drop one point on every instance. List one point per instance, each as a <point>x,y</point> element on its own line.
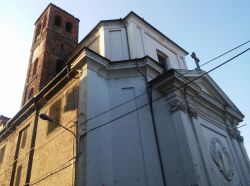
<point>47,118</point>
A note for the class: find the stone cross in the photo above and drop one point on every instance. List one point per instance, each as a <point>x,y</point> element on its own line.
<point>193,55</point>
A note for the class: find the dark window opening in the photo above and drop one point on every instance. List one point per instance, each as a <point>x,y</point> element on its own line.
<point>2,152</point>
<point>55,115</point>
<point>35,67</point>
<point>62,46</point>
<point>162,59</point>
<point>68,27</point>
<point>18,175</point>
<point>59,65</point>
<point>58,21</point>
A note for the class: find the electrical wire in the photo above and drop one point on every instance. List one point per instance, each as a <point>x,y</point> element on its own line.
<point>56,170</point>
<point>225,53</point>
<point>9,127</point>
<point>145,92</point>
<point>106,123</point>
<point>36,148</point>
<point>159,97</point>
<point>156,138</point>
<point>142,94</point>
<point>191,81</point>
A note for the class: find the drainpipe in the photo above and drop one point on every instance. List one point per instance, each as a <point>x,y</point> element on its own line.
<point>150,100</point>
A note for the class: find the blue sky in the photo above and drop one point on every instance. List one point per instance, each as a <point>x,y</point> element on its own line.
<point>207,27</point>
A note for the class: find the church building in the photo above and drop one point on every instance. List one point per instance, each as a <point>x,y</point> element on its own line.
<point>118,108</point>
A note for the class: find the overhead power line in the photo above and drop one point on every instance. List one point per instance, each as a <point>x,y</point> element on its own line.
<point>106,123</point>
<point>123,103</point>
<point>191,81</point>
<point>20,158</point>
<point>9,129</point>
<point>225,53</point>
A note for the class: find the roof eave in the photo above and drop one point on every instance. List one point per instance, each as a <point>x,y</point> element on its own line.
<point>133,13</point>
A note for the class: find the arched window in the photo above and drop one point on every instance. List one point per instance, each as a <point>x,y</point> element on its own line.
<point>58,20</point>
<point>68,27</point>
<point>35,67</point>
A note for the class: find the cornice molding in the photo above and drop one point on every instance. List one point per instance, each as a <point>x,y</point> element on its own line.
<point>120,69</point>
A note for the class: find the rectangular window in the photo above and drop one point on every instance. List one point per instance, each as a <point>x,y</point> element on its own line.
<point>71,100</point>
<point>18,175</point>
<point>24,137</point>
<point>55,115</point>
<point>2,152</point>
<point>162,59</point>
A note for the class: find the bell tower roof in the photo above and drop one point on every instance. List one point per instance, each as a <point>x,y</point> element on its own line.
<point>55,7</point>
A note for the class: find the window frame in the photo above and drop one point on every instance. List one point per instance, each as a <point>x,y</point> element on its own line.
<point>164,61</point>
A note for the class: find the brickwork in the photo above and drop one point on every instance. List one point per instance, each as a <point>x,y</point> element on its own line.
<point>32,152</point>
<point>54,152</point>
<point>55,35</point>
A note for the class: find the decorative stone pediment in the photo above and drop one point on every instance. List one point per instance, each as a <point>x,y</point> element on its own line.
<point>213,91</point>
<point>200,91</point>
<point>209,90</point>
<point>212,96</point>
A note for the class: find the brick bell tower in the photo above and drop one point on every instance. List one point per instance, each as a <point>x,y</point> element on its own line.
<point>55,35</point>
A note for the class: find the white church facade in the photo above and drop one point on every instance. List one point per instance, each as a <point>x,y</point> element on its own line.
<point>142,118</point>
<point>145,120</point>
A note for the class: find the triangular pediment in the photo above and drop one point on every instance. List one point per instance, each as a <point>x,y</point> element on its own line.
<point>203,89</point>
<point>209,87</point>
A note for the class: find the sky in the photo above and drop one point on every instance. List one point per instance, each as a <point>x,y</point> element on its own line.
<point>207,27</point>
